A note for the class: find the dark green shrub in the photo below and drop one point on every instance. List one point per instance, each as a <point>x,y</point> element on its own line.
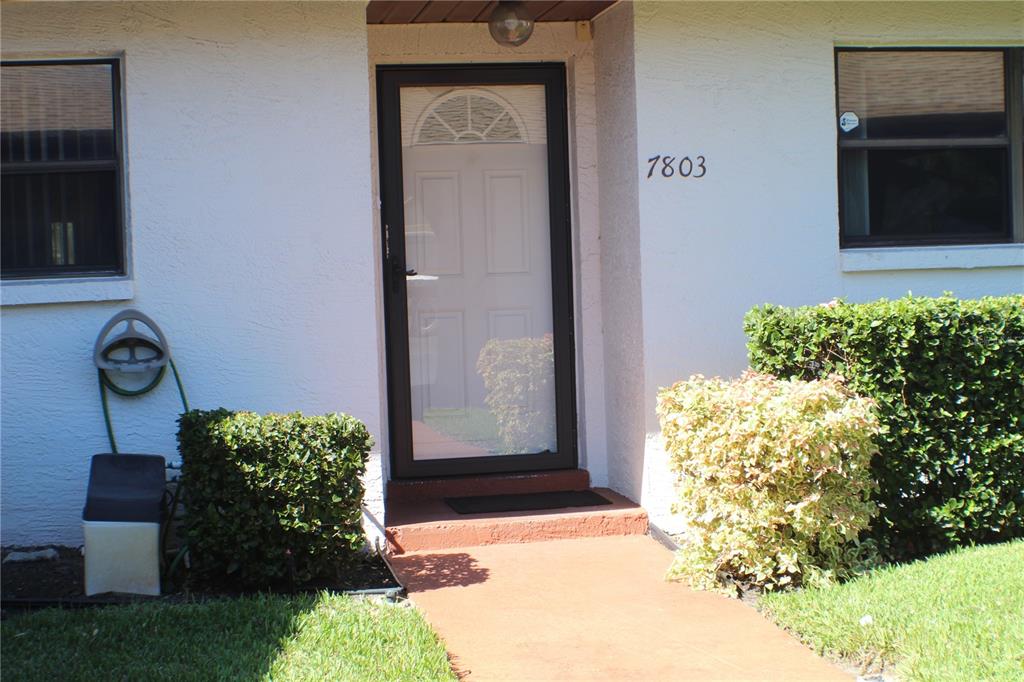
<point>271,500</point>
<point>948,378</point>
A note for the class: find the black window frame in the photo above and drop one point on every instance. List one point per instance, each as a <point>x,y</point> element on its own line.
<point>116,165</point>
<point>1013,142</point>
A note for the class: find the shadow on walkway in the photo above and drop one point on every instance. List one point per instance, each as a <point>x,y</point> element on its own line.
<point>424,572</point>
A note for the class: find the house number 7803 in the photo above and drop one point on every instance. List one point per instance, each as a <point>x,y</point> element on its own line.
<point>669,166</point>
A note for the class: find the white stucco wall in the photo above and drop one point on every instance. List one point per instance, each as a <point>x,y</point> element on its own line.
<point>751,87</point>
<point>471,43</point>
<point>620,248</point>
<point>248,168</point>
<point>251,176</point>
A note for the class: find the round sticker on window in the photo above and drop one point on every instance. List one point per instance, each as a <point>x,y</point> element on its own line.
<point>848,121</point>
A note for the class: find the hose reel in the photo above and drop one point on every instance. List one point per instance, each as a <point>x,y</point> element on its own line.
<point>132,351</point>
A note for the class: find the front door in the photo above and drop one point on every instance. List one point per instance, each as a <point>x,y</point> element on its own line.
<point>474,194</point>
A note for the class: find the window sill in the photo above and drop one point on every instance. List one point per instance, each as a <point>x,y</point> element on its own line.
<point>964,257</point>
<point>40,291</point>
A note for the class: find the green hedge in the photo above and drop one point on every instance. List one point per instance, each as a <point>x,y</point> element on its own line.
<point>948,378</point>
<point>271,500</point>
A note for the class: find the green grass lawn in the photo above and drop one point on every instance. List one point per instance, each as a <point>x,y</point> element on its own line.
<point>253,638</point>
<point>956,616</point>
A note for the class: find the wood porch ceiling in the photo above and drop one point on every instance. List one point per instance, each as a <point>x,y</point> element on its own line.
<point>458,11</point>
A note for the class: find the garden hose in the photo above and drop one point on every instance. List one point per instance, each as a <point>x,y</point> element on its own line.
<point>172,509</point>
<point>106,383</point>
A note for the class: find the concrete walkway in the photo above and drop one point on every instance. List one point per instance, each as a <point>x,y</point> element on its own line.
<point>593,609</point>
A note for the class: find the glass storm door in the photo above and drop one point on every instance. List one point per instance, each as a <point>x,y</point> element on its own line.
<point>476,249</point>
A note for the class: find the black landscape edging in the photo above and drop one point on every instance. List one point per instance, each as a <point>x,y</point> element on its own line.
<point>393,593</point>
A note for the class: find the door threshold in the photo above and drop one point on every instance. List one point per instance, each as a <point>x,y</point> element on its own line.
<point>487,484</point>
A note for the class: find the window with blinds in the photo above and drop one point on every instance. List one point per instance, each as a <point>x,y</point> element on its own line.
<point>60,155</point>
<point>930,146</point>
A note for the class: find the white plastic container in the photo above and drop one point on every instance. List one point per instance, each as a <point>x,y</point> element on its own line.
<point>122,557</point>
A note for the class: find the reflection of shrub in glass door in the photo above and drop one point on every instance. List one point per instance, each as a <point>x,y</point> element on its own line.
<point>518,375</point>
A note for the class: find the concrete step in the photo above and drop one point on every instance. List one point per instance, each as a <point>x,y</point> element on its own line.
<point>419,525</point>
<point>491,484</point>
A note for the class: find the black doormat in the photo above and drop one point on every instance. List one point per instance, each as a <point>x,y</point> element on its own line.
<point>484,504</point>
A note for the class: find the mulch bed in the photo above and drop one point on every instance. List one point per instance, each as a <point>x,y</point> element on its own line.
<point>60,579</point>
<point>61,582</point>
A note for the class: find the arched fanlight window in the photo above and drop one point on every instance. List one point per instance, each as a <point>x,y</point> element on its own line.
<point>467,116</point>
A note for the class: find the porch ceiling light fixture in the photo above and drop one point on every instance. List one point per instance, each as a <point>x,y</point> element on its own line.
<point>510,24</point>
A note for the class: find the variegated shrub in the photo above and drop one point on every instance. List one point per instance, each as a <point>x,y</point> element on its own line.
<point>774,480</point>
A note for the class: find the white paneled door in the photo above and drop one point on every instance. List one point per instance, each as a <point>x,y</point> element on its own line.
<point>478,259</point>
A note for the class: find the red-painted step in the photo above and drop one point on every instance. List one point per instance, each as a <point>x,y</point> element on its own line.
<point>426,523</point>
